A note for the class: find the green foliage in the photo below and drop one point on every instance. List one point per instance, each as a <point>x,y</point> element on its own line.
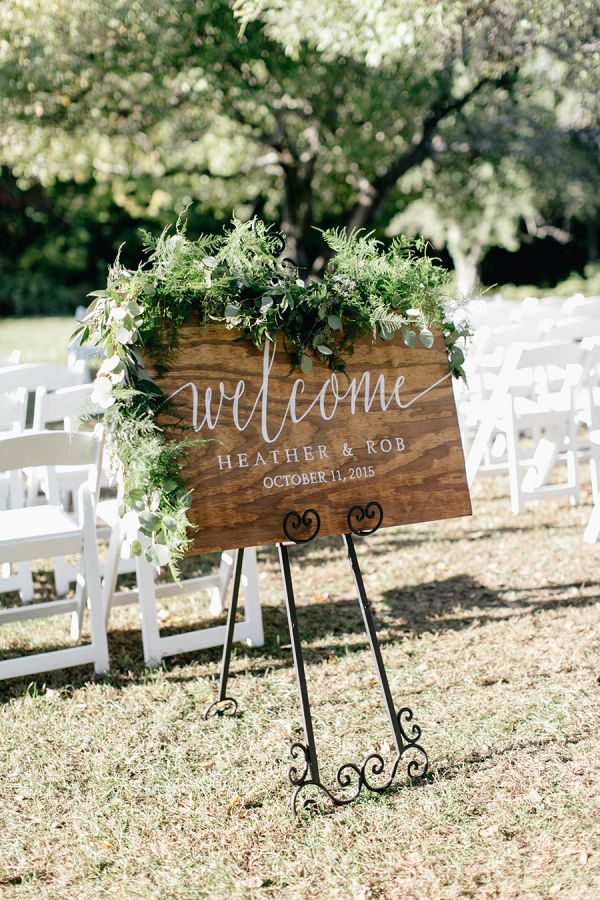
<point>314,114</point>
<point>241,279</point>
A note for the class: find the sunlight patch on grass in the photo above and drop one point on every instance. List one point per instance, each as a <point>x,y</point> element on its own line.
<point>42,339</point>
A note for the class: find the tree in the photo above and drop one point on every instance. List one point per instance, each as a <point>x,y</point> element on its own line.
<point>312,114</point>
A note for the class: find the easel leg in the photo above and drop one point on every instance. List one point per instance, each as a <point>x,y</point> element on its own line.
<point>405,741</point>
<point>350,777</point>
<point>308,751</point>
<point>225,705</point>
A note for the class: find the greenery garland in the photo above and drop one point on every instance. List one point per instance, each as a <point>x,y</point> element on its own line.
<point>240,278</point>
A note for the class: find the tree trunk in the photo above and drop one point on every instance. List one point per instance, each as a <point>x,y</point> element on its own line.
<point>297,213</point>
<point>466,262</point>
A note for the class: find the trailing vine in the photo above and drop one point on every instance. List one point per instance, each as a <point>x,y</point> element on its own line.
<point>242,279</point>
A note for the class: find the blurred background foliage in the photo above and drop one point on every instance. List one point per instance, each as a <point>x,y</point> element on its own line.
<point>473,123</point>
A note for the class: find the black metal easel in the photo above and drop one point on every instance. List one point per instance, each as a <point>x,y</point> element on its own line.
<point>350,777</point>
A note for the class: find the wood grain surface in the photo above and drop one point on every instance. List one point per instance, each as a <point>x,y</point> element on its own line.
<point>245,481</point>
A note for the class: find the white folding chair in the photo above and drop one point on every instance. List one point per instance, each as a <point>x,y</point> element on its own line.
<point>13,412</point>
<point>29,533</point>
<point>64,407</point>
<point>534,395</point>
<point>156,647</point>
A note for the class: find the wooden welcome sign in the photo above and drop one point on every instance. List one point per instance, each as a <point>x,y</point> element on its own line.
<point>270,442</point>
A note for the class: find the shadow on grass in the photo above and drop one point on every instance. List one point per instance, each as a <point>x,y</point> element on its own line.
<point>452,604</point>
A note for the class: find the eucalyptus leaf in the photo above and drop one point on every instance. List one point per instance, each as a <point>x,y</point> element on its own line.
<point>322,348</point>
<point>157,554</point>
<point>149,521</point>
<point>334,322</point>
<point>426,338</point>
<point>306,364</point>
<point>410,337</point>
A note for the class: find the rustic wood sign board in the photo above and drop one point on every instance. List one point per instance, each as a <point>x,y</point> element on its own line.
<point>270,441</point>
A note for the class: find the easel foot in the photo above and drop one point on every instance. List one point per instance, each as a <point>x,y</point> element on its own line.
<point>352,778</point>
<point>225,707</point>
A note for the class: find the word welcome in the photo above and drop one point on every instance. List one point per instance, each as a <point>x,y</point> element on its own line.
<point>361,394</point>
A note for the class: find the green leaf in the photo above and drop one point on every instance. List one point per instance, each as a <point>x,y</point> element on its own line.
<point>334,322</point>
<point>157,554</point>
<point>306,364</point>
<point>136,548</point>
<point>266,302</point>
<point>210,262</point>
<point>324,350</point>
<point>410,338</point>
<point>232,310</point>
<point>149,521</point>
<point>426,338</point>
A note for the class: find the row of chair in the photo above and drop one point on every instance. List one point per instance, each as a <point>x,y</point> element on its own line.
<point>51,507</point>
<point>532,400</point>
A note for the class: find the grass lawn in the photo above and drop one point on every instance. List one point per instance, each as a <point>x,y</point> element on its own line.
<point>42,339</point>
<point>490,631</point>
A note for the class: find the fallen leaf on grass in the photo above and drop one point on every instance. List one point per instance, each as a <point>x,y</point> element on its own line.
<point>235,801</point>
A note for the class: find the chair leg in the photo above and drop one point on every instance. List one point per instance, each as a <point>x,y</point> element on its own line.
<point>252,608</point>
<point>147,597</point>
<point>592,529</point>
<point>94,589</point>
<point>512,452</point>
<point>26,579</point>
<point>572,462</point>
<point>77,615</point>
<point>595,472</point>
<point>218,594</point>
<point>111,572</point>
<point>61,576</point>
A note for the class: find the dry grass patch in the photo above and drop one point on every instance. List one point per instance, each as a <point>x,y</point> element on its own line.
<point>490,632</point>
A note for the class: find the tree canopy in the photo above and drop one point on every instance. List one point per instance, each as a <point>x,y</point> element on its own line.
<point>308,113</point>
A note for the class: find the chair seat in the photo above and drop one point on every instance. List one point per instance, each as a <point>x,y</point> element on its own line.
<point>50,528</point>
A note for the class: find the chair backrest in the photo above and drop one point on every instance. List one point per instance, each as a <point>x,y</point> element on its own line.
<point>579,305</point>
<point>66,406</point>
<point>575,327</point>
<point>13,359</point>
<point>34,375</point>
<point>554,368</point>
<point>13,410</point>
<point>49,448</point>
